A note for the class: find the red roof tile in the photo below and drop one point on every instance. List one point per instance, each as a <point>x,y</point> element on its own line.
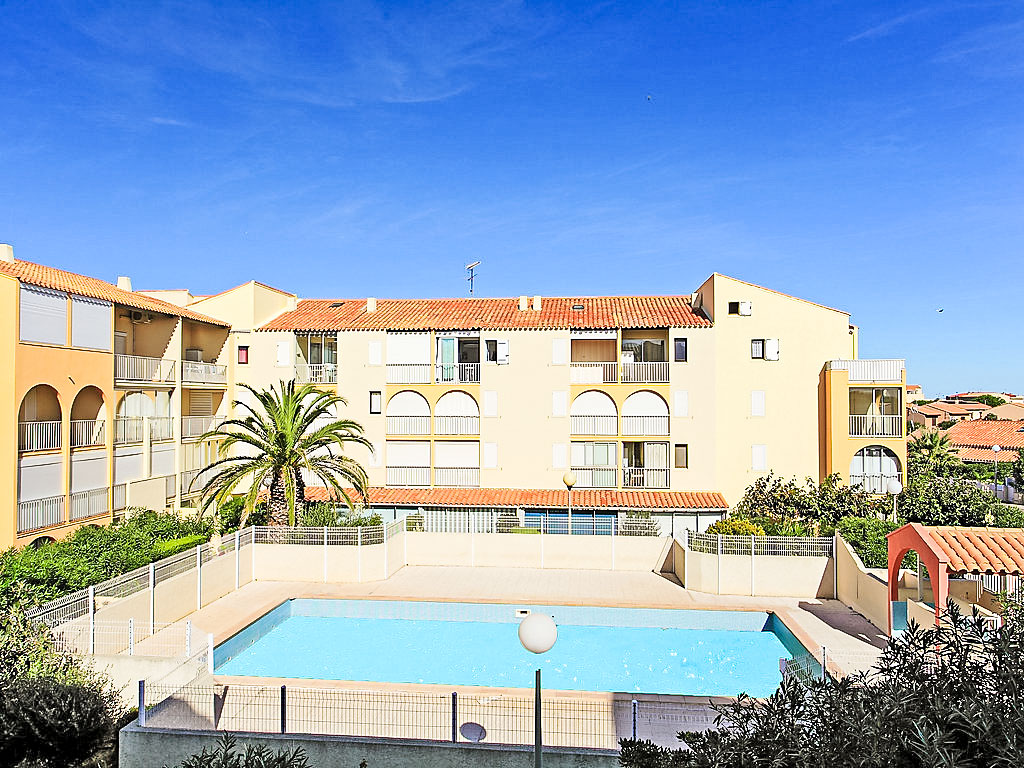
<point>984,433</point>
<point>60,280</point>
<point>600,312</point>
<point>537,498</point>
<point>986,454</point>
<point>980,550</point>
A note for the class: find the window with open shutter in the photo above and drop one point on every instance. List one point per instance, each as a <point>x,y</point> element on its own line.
<point>43,315</point>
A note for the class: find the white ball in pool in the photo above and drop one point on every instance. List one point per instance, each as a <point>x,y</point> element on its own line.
<point>537,632</point>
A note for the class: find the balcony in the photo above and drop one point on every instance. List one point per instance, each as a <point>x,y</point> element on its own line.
<point>593,425</point>
<point>128,429</point>
<point>194,427</point>
<point>870,370</point>
<point>409,373</point>
<point>39,435</point>
<point>317,373</point>
<point>88,433</point>
<point>876,483</point>
<point>457,477</point>
<point>457,425</point>
<point>644,373</point>
<point>645,477</point>
<point>143,370</point>
<point>161,427</point>
<point>593,373</point>
<point>189,485</point>
<point>645,425</point>
<point>408,425</point>
<point>40,513</point>
<point>457,373</point>
<point>594,477</point>
<point>88,503</point>
<point>203,373</point>
<point>408,476</point>
<point>876,426</point>
<point>119,501</point>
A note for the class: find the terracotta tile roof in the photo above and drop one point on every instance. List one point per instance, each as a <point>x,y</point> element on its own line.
<point>537,498</point>
<point>980,550</point>
<point>953,409</point>
<point>985,454</point>
<point>60,280</point>
<point>600,312</point>
<point>983,433</point>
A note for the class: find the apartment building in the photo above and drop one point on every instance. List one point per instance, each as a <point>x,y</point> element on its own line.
<point>672,404</point>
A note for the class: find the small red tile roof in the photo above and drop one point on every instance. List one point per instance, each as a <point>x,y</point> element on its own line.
<point>92,287</point>
<point>980,550</point>
<point>599,312</point>
<point>986,455</point>
<point>537,498</point>
<point>984,433</point>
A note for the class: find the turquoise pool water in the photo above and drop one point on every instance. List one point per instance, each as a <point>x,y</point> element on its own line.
<point>598,649</point>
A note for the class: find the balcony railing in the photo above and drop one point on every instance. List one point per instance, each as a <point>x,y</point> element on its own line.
<point>875,483</point>
<point>876,426</point>
<point>644,373</point>
<point>457,425</point>
<point>593,373</point>
<point>870,370</point>
<point>409,373</point>
<point>189,485</point>
<point>645,477</point>
<point>128,429</point>
<point>149,370</point>
<point>459,477</point>
<point>408,476</point>
<point>316,373</point>
<point>457,373</point>
<point>119,497</point>
<point>161,427</point>
<point>203,373</point>
<point>88,503</point>
<point>593,425</point>
<point>408,425</point>
<point>86,433</point>
<point>197,426</point>
<point>594,477</point>
<point>38,435</point>
<point>645,425</point>
<point>40,513</point>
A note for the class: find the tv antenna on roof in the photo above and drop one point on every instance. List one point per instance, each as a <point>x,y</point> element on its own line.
<point>471,268</point>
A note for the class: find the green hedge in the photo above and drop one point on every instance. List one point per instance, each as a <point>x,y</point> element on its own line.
<point>174,546</point>
<point>867,537</point>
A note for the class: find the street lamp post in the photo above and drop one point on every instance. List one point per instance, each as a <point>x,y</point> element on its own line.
<point>569,478</point>
<point>995,468</point>
<point>894,488</point>
<point>537,633</point>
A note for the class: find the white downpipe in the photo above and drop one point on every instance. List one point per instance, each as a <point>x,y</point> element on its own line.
<point>199,576</point>
<point>209,652</point>
<point>152,599</point>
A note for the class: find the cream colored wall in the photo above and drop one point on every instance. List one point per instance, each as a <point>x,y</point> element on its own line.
<point>859,589</point>
<point>760,576</point>
<point>698,428</point>
<point>356,379</point>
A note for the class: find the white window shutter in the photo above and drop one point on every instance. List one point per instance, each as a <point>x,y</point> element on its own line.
<point>490,455</point>
<point>502,352</point>
<point>558,455</point>
<point>490,403</point>
<point>771,349</point>
<point>44,315</point>
<point>757,402</point>
<point>284,353</point>
<point>560,352</point>
<point>681,404</point>
<point>559,403</point>
<point>374,353</point>
<point>759,458</point>
<point>91,323</point>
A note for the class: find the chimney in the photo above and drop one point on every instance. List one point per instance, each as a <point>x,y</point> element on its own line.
<point>523,303</point>
<point>536,303</point>
<point>124,283</point>
<point>371,305</point>
<point>6,252</point>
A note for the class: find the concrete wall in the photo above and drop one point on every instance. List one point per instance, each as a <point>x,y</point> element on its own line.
<point>762,575</point>
<point>859,589</point>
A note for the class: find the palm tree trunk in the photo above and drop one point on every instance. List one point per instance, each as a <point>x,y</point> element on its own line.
<point>277,503</point>
<point>300,495</point>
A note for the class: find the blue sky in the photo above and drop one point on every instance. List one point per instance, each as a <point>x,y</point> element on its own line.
<point>868,156</point>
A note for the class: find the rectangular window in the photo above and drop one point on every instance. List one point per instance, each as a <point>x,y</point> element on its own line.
<point>757,402</point>
<point>243,355</point>
<point>757,349</point>
<point>759,458</point>
<point>375,402</point>
<point>491,350</point>
<point>734,307</point>
<point>680,350</point>
<point>682,455</point>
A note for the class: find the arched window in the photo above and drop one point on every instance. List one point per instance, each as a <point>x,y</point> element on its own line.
<point>87,418</point>
<point>408,413</point>
<point>645,413</point>
<point>39,420</point>
<point>456,413</point>
<point>873,467</point>
<point>593,413</point>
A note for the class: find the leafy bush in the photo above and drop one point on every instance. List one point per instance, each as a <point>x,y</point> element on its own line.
<point>227,755</point>
<point>867,537</point>
<point>326,515</point>
<point>229,515</point>
<point>173,546</point>
<point>933,500</point>
<point>811,504</point>
<point>415,522</point>
<point>639,523</point>
<point>507,521</point>
<point>736,526</point>
<point>1008,516</point>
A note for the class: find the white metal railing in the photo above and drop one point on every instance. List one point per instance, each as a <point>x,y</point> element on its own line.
<point>161,427</point>
<point>871,370</point>
<point>316,373</point>
<point>87,432</point>
<point>875,483</point>
<point>593,425</point>
<point>645,477</point>
<point>457,373</point>
<point>645,425</point>
<point>143,369</point>
<point>188,487</point>
<point>203,373</point>
<point>457,425</point>
<point>408,373</point>
<point>644,373</point>
<point>197,426</point>
<point>593,373</point>
<point>791,546</point>
<point>40,513</point>
<point>458,477</point>
<point>38,435</point>
<point>876,426</point>
<point>594,477</point>
<point>408,475</point>
<point>128,429</point>
<point>408,425</point>
<point>88,503</point>
<point>119,497</point>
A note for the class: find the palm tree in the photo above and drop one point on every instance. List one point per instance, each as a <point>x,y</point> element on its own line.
<point>934,449</point>
<point>291,429</point>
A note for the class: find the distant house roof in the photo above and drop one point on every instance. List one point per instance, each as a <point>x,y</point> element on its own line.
<point>984,433</point>
<point>952,409</point>
<point>1005,395</point>
<point>986,455</point>
<point>595,312</point>
<point>980,550</point>
<point>61,280</point>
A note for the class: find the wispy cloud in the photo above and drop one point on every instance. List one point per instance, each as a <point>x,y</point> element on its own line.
<point>170,121</point>
<point>995,50</point>
<point>890,26</point>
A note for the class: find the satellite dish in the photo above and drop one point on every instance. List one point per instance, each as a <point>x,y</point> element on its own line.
<point>473,732</point>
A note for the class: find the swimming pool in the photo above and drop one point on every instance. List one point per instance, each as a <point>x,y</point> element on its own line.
<point>632,650</point>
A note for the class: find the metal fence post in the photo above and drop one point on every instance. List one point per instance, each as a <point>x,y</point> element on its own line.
<point>752,592</point>
<point>359,553</point>
<point>472,540</point>
<point>199,576</point>
<point>634,718</point>
<point>92,620</point>
<point>252,557</point>
<point>384,530</point>
<point>614,521</point>
<point>209,652</point>
<point>131,636</point>
<point>188,638</point>
<point>142,703</point>
<point>718,584</point>
<point>455,716</point>
<point>237,558</point>
<point>284,709</point>
<point>541,537</point>
<point>325,554</point>
<point>152,599</point>
<point>823,667</point>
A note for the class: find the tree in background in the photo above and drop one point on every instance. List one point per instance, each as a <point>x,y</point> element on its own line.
<point>992,401</point>
<point>934,451</point>
<point>786,507</point>
<point>1017,472</point>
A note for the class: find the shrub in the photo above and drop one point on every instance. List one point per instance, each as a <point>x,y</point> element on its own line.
<point>1008,516</point>
<point>867,537</point>
<point>228,755</point>
<point>173,546</point>
<point>523,530</point>
<point>736,526</point>
<point>415,522</point>
<point>229,515</point>
<point>639,523</point>
<point>934,500</point>
<point>507,521</point>
<point>810,504</point>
